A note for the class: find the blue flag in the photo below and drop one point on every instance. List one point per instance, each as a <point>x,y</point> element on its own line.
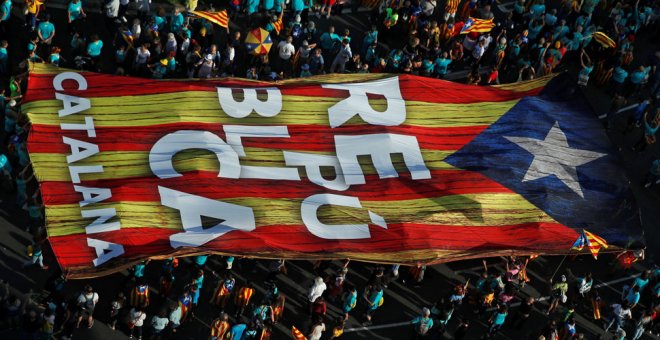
<point>556,154</point>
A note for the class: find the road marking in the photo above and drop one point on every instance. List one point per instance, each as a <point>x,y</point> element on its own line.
<point>541,299</point>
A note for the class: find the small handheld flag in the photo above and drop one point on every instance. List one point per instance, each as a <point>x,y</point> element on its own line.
<point>220,18</point>
<point>297,334</point>
<point>604,40</point>
<point>477,25</point>
<point>594,243</point>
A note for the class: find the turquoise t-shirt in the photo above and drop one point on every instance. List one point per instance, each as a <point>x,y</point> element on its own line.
<point>441,65</point>
<point>160,22</point>
<point>268,4</point>
<point>177,23</point>
<point>297,5</point>
<point>54,58</point>
<point>619,75</point>
<point>94,48</point>
<point>328,40</point>
<point>370,38</point>
<point>375,299</point>
<point>75,10</point>
<point>499,318</point>
<point>637,77</point>
<point>46,28</point>
<point>586,70</point>
<point>6,10</point>
<point>120,56</point>
<point>428,65</point>
<point>252,6</point>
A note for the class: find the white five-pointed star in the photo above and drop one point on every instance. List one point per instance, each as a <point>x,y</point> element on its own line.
<point>553,156</point>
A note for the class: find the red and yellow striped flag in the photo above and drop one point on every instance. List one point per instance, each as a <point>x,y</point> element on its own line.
<point>595,243</point>
<point>477,25</point>
<point>220,18</point>
<point>297,334</point>
<point>117,190</point>
<point>604,39</point>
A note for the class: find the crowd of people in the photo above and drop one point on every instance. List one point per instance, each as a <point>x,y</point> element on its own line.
<point>415,37</point>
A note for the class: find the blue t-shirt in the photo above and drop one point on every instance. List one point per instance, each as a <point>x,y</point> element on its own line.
<point>46,28</point>
<point>94,48</point>
<point>75,10</point>
<point>441,65</point>
<point>237,331</point>
<point>641,283</point>
<point>550,19</point>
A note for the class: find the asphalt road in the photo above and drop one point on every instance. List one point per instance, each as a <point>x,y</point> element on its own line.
<point>402,302</point>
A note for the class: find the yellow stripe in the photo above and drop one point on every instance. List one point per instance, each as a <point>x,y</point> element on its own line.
<point>203,107</point>
<point>492,209</point>
<point>123,164</point>
<point>528,85</point>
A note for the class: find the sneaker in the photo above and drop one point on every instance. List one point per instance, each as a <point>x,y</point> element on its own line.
<point>647,185</point>
<point>45,267</point>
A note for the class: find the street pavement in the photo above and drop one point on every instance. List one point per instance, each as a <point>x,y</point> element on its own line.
<point>403,302</point>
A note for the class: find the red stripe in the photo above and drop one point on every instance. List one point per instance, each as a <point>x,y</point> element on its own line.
<point>412,88</point>
<point>207,184</point>
<point>72,250</point>
<point>48,138</point>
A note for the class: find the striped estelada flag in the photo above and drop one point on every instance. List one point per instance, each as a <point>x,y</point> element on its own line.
<point>604,40</point>
<point>593,242</point>
<point>297,334</point>
<point>220,18</point>
<point>477,25</point>
<point>370,3</point>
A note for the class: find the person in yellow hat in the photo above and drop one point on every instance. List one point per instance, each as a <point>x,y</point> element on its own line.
<point>159,69</point>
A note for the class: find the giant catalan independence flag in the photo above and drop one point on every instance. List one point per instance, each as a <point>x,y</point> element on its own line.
<point>375,167</point>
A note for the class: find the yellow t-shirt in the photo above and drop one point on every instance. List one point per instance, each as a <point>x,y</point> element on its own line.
<point>33,6</point>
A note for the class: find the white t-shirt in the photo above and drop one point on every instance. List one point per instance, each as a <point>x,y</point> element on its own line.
<point>175,316</point>
<point>286,50</point>
<point>159,323</point>
<point>138,317</point>
<point>88,301</point>
<point>142,56</point>
<point>317,332</point>
<point>315,291</point>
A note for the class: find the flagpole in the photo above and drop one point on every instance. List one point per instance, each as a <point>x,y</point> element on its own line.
<point>560,263</point>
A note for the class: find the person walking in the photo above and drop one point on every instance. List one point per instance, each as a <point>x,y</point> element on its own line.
<point>422,324</point>
<point>135,322</point>
<point>87,301</point>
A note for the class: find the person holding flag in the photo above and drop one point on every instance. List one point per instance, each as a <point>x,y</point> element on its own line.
<point>242,299</point>
<point>220,327</point>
